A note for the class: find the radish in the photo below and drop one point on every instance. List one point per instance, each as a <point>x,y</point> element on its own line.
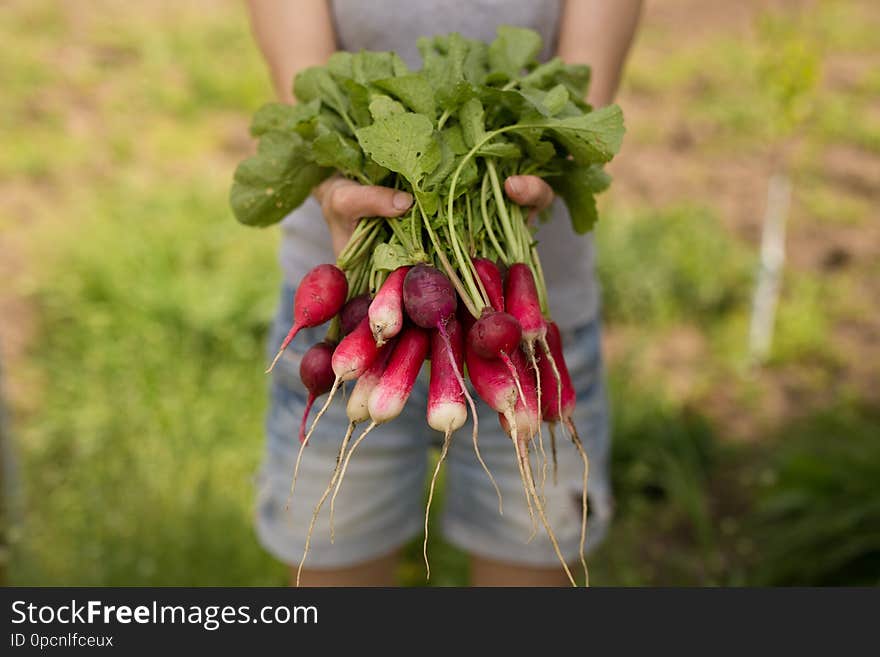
<point>521,298</point>
<point>389,396</point>
<point>447,410</point>
<point>354,310</point>
<point>523,302</point>
<point>428,296</point>
<point>446,407</point>
<point>320,295</point>
<point>386,310</point>
<point>357,412</point>
<point>430,302</point>
<point>351,358</point>
<point>395,385</point>
<point>317,376</point>
<point>495,334</point>
<point>559,407</point>
<point>492,281</point>
<point>495,385</point>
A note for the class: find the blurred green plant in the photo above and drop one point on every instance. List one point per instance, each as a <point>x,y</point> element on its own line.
<point>672,264</point>
<point>662,454</point>
<point>139,462</point>
<point>818,517</point>
<point>787,71</point>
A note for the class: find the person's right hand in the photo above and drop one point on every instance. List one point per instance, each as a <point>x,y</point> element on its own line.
<point>344,202</point>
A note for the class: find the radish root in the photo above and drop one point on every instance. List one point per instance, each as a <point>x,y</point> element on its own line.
<point>552,429</point>
<point>543,463</point>
<point>580,447</point>
<point>336,384</point>
<point>345,441</point>
<point>446,441</point>
<point>323,499</point>
<point>287,340</point>
<point>511,420</point>
<point>534,362</point>
<point>523,455</point>
<point>342,472</point>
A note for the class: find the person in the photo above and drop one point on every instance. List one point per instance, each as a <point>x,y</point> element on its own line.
<point>380,506</point>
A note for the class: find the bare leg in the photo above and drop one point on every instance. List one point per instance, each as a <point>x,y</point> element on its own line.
<point>487,572</point>
<point>378,572</point>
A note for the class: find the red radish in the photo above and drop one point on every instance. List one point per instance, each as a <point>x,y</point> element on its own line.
<point>430,302</point>
<point>492,281</point>
<point>447,411</point>
<point>386,310</point>
<point>558,404</point>
<point>317,376</point>
<point>389,396</point>
<point>560,407</point>
<point>356,410</point>
<point>521,297</point>
<point>526,409</point>
<point>465,318</point>
<point>495,385</point>
<point>351,358</point>
<point>320,295</point>
<point>446,407</point>
<point>492,381</point>
<point>354,310</point>
<point>428,296</point>
<point>495,333</point>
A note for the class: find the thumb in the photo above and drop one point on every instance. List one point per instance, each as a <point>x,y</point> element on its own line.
<point>356,201</point>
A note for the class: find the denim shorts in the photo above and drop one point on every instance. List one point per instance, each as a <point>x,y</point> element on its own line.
<point>381,502</point>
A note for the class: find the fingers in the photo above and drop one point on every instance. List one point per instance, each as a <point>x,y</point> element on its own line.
<point>529,191</point>
<point>350,201</point>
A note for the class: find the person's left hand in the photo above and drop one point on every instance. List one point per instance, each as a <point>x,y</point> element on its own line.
<point>529,191</point>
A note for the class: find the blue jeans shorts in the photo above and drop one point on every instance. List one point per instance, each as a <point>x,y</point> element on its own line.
<point>381,502</point>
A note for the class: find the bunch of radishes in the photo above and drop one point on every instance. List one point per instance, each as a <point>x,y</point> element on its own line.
<point>511,354</point>
<point>426,284</point>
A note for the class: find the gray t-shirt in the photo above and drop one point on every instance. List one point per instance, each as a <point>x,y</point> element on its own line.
<point>567,258</point>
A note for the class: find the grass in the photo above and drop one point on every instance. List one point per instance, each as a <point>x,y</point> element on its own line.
<point>139,418</point>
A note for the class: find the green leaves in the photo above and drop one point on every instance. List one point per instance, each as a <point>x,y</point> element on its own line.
<point>337,152</point>
<point>472,122</point>
<point>267,186</point>
<point>578,185</point>
<point>413,90</point>
<point>369,117</point>
<point>513,49</point>
<point>400,142</point>
<point>283,117</point>
<point>591,138</point>
<point>388,257</point>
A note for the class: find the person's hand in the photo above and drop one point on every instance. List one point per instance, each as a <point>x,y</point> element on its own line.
<point>529,191</point>
<point>344,202</point>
